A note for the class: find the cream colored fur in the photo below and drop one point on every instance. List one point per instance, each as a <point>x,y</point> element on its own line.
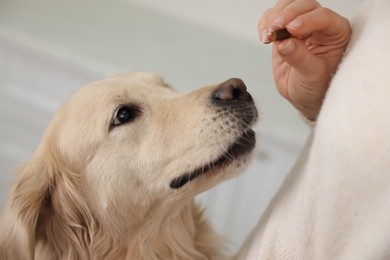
<point>335,203</point>
<point>93,191</point>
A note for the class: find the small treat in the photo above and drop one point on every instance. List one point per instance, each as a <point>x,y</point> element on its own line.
<point>279,35</point>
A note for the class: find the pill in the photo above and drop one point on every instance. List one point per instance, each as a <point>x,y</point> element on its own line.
<point>279,35</point>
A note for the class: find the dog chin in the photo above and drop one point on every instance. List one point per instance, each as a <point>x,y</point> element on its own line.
<point>240,149</point>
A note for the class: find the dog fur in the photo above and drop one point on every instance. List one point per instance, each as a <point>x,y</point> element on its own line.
<point>98,188</point>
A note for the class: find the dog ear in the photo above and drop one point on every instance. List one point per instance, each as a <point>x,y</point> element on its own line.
<point>20,220</point>
<point>45,206</point>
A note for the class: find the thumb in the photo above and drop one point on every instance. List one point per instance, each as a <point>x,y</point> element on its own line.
<point>299,57</point>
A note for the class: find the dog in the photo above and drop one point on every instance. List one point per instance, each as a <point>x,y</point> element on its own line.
<point>117,169</point>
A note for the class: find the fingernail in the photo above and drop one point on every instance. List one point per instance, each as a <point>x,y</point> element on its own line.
<point>279,22</point>
<point>264,36</point>
<point>286,47</point>
<point>295,24</point>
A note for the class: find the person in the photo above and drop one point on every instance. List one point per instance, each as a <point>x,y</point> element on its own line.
<point>335,202</point>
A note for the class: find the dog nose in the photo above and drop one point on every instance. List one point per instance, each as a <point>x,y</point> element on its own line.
<point>232,89</point>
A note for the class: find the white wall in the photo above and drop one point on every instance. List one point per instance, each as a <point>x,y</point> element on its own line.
<point>238,18</point>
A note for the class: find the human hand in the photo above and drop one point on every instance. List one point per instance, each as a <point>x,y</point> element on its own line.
<point>304,65</point>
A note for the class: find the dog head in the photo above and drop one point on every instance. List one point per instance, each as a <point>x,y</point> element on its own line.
<point>129,146</point>
<point>132,134</point>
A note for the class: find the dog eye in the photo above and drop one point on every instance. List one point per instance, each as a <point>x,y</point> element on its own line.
<point>125,115</point>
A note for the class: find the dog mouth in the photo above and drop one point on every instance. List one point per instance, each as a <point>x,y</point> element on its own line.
<point>241,147</point>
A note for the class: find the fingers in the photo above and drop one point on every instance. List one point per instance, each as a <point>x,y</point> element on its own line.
<point>263,26</point>
<point>329,24</point>
<point>303,18</point>
<point>308,80</point>
<point>284,12</point>
<point>298,56</point>
<point>279,19</point>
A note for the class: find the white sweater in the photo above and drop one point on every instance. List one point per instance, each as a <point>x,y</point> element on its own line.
<point>335,203</point>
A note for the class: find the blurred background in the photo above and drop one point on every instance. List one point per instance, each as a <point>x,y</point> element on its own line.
<point>49,49</point>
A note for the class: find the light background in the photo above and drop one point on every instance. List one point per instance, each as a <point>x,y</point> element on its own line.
<point>49,49</point>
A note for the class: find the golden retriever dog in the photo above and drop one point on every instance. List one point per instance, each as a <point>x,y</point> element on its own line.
<point>117,169</point>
